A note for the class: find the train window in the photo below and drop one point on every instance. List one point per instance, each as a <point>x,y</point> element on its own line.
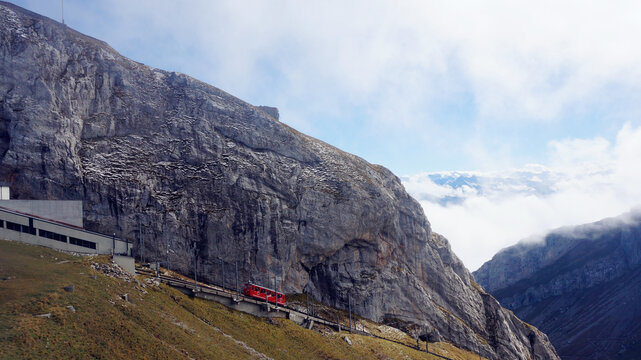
<point>262,291</point>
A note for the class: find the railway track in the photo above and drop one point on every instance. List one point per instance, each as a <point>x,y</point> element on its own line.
<point>218,290</point>
<point>237,296</point>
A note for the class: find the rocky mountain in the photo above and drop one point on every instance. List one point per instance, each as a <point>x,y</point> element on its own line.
<point>195,167</point>
<point>580,285</point>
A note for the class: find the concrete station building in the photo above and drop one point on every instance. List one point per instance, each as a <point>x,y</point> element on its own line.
<point>54,223</point>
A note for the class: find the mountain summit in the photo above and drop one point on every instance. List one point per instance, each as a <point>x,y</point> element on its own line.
<point>161,158</point>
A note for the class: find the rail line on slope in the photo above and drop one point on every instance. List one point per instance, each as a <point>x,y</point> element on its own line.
<point>237,296</point>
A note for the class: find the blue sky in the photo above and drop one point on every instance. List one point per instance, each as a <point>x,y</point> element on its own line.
<point>416,86</point>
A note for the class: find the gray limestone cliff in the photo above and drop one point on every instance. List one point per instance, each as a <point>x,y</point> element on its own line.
<point>196,167</point>
<point>580,285</point>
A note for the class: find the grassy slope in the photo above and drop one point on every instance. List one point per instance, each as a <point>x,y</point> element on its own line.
<point>160,324</point>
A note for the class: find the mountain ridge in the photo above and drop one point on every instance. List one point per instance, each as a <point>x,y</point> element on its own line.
<point>159,157</point>
<point>573,285</point>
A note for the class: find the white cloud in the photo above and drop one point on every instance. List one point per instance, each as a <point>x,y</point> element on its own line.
<point>454,80</point>
<point>585,181</point>
<point>516,59</point>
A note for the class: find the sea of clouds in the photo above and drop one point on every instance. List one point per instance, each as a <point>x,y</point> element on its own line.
<point>584,180</point>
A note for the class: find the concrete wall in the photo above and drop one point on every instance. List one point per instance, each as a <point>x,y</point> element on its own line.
<point>254,308</point>
<point>66,211</point>
<point>104,244</point>
<point>126,262</point>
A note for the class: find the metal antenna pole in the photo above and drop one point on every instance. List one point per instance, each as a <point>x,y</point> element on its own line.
<point>157,258</point>
<point>141,242</point>
<point>166,246</point>
<point>349,305</point>
<point>427,340</point>
<point>63,12</point>
<point>195,269</point>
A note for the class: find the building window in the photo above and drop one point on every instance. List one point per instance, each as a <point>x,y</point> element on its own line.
<point>28,230</point>
<point>13,226</point>
<point>2,223</point>
<point>83,243</point>
<point>52,235</point>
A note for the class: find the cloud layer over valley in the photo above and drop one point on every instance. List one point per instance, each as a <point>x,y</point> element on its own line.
<point>584,180</point>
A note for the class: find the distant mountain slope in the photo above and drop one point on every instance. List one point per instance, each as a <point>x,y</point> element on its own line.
<point>581,286</point>
<point>194,166</point>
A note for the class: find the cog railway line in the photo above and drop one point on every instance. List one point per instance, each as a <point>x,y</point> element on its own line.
<point>234,299</point>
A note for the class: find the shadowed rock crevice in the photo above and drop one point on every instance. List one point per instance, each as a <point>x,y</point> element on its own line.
<point>5,139</point>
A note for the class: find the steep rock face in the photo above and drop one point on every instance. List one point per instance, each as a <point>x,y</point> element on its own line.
<point>580,285</point>
<point>199,169</point>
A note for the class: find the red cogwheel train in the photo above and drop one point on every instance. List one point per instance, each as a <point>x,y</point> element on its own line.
<point>263,293</point>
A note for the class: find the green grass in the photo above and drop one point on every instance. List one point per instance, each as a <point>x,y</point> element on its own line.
<point>156,322</point>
